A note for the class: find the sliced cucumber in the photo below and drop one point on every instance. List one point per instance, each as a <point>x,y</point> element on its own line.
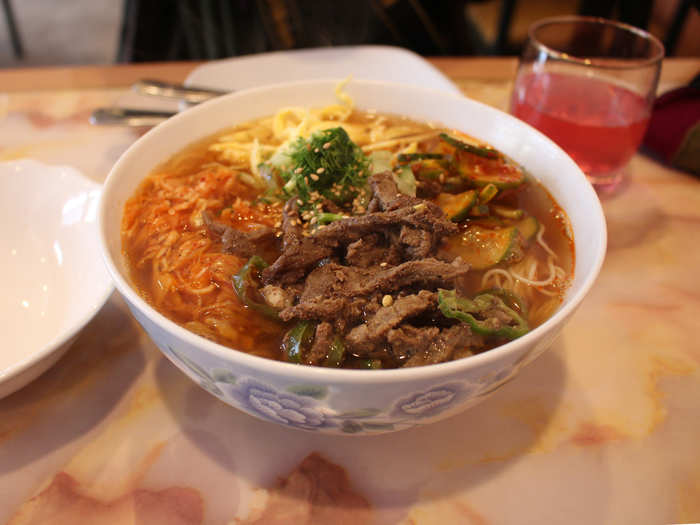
<point>484,247</point>
<point>481,172</point>
<point>487,193</point>
<point>507,213</point>
<point>528,227</point>
<point>456,206</point>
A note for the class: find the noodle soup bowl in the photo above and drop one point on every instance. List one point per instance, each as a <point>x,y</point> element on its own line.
<point>354,401</point>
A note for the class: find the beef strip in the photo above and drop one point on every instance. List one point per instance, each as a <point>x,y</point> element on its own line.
<point>238,242</point>
<point>333,288</point>
<point>387,194</point>
<point>322,341</point>
<point>300,254</point>
<point>370,251</point>
<point>407,340</point>
<point>296,261</point>
<point>370,336</point>
<point>425,216</point>
<point>426,273</point>
<point>327,285</point>
<point>452,340</point>
<point>344,309</point>
<point>428,189</point>
<point>418,244</point>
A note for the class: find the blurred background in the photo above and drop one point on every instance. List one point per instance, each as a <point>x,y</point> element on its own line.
<point>70,32</point>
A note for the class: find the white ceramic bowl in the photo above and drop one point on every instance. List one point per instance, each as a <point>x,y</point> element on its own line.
<point>52,277</point>
<point>354,401</point>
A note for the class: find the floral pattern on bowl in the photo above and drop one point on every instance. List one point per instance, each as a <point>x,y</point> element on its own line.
<point>307,406</point>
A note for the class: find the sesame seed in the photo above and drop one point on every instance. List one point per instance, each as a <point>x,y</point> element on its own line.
<point>419,207</point>
<point>320,170</point>
<point>278,224</point>
<point>387,300</point>
<point>442,178</point>
<point>313,220</point>
<point>327,145</point>
<point>314,177</point>
<point>300,202</point>
<point>383,264</point>
<point>316,150</point>
<point>306,180</point>
<point>298,170</point>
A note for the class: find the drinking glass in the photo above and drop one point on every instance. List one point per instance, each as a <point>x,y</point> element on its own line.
<point>589,84</point>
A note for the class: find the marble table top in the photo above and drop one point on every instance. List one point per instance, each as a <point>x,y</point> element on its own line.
<point>603,428</point>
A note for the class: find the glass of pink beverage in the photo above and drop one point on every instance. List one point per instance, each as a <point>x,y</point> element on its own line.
<point>589,84</point>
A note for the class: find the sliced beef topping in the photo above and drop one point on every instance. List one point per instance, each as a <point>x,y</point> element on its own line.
<point>426,273</point>
<point>322,341</point>
<point>425,216</point>
<point>387,193</point>
<point>238,242</point>
<point>335,280</point>
<point>369,336</point>
<point>456,339</point>
<point>407,340</point>
<point>369,279</point>
<point>417,243</point>
<point>371,251</point>
<point>344,309</point>
<point>296,261</point>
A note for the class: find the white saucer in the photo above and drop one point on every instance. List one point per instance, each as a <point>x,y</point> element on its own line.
<point>384,63</point>
<point>52,276</point>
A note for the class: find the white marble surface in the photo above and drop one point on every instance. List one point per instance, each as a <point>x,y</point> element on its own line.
<point>603,428</point>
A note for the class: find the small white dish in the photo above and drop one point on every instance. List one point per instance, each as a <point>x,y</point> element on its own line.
<point>382,63</point>
<point>385,63</point>
<point>52,276</point>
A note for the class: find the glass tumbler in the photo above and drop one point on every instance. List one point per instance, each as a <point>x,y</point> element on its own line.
<point>589,84</point>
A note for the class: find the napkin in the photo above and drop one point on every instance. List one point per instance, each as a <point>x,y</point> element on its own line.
<point>674,128</point>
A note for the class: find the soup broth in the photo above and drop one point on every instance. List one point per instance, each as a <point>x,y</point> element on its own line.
<point>177,254</point>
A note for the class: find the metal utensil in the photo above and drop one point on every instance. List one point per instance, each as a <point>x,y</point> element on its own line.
<point>145,117</point>
<point>190,94</point>
<point>129,117</point>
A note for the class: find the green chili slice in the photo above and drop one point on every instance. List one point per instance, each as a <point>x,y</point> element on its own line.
<point>475,312</point>
<point>246,284</point>
<point>297,341</point>
<point>336,353</point>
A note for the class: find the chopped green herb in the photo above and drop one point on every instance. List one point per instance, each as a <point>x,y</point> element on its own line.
<point>328,164</point>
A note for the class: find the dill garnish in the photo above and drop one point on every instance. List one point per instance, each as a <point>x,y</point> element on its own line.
<point>326,165</point>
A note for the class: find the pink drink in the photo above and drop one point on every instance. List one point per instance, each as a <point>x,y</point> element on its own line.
<point>599,124</point>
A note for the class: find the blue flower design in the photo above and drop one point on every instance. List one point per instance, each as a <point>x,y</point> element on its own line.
<point>280,407</point>
<point>429,403</point>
